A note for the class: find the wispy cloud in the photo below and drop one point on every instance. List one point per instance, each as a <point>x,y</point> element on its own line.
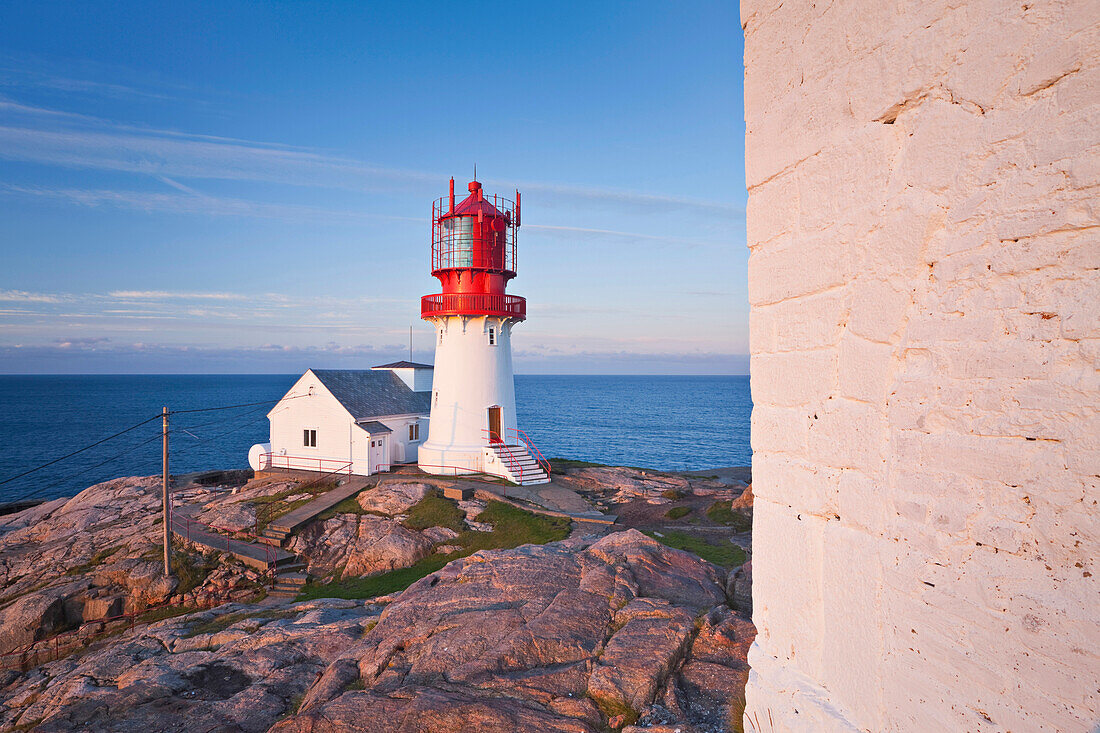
<point>168,295</point>
<point>22,296</point>
<point>83,141</point>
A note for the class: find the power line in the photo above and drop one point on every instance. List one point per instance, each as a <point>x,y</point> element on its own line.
<point>182,428</point>
<point>38,492</point>
<point>230,407</point>
<point>70,455</point>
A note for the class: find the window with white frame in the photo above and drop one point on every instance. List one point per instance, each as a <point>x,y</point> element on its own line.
<point>492,336</point>
<point>309,437</point>
<point>414,432</point>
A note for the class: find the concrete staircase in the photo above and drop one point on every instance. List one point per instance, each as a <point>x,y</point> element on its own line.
<point>519,466</point>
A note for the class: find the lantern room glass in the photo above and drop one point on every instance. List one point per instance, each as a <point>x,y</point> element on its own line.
<point>458,242</point>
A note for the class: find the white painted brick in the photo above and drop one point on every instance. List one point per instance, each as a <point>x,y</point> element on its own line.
<point>925,338</point>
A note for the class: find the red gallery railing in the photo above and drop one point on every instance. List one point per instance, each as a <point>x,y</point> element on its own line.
<point>482,304</point>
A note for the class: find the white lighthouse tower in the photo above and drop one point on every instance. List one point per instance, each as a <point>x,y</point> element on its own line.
<point>473,425</point>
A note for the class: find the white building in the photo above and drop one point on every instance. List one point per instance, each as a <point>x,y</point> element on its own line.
<point>357,421</point>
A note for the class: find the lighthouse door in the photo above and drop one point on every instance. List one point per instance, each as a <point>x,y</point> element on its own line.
<point>494,426</point>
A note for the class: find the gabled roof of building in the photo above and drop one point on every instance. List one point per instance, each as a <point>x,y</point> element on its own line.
<point>374,427</point>
<point>404,365</point>
<point>368,393</point>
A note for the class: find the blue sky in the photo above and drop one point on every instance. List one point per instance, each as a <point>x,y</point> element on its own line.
<point>247,187</point>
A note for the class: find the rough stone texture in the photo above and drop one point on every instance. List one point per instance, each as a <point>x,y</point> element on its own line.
<point>353,545</point>
<point>243,673</point>
<point>393,497</point>
<point>923,278</point>
<point>513,640</point>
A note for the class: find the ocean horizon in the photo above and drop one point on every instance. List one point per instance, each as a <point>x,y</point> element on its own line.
<point>671,422</point>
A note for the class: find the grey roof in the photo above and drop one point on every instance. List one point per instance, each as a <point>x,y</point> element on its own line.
<point>367,393</point>
<point>374,427</point>
<point>404,365</point>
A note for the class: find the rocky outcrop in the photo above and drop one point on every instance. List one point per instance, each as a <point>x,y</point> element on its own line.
<point>532,639</point>
<point>620,485</point>
<point>739,589</point>
<point>393,498</point>
<point>352,545</point>
<point>235,668</point>
<point>566,637</point>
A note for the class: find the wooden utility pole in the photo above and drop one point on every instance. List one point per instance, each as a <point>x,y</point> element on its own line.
<point>164,485</point>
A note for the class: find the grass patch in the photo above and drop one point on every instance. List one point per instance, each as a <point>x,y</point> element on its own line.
<point>722,512</point>
<point>673,494</point>
<point>435,511</point>
<point>678,512</point>
<point>223,622</point>
<point>94,561</point>
<point>269,508</point>
<point>512,527</point>
<point>726,554</point>
<point>160,614</point>
<point>192,570</point>
<point>349,505</point>
<point>611,708</point>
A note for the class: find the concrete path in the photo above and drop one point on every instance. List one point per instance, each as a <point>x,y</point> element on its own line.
<point>292,520</point>
<point>253,554</point>
<point>552,496</point>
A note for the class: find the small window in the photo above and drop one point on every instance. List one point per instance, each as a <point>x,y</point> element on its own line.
<point>441,335</point>
<point>414,432</point>
<point>437,399</point>
<point>309,438</point>
<point>492,336</point>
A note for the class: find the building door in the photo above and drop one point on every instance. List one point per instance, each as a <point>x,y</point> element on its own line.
<point>377,454</point>
<point>494,426</point>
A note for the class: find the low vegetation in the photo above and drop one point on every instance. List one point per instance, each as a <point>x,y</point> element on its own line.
<point>435,511</point>
<point>269,508</point>
<point>673,494</point>
<point>512,527</point>
<point>678,512</point>
<point>193,569</point>
<point>723,552</point>
<point>561,464</point>
<point>94,561</point>
<point>223,622</point>
<point>722,512</point>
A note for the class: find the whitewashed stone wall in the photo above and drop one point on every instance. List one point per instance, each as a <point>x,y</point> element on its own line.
<point>924,185</point>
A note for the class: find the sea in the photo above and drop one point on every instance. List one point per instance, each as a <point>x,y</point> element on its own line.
<point>662,422</point>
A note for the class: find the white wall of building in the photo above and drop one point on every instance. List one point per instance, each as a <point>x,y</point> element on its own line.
<point>339,440</point>
<point>923,279</point>
<point>470,376</point>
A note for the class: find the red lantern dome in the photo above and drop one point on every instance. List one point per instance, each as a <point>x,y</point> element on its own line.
<point>474,256</point>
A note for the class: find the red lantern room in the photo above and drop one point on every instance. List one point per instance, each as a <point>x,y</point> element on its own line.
<point>474,256</point>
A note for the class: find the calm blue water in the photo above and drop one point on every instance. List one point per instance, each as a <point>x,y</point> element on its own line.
<point>660,422</point>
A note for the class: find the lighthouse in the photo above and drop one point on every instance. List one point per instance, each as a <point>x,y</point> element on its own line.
<point>473,427</point>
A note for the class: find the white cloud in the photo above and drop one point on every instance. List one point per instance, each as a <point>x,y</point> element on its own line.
<point>22,296</point>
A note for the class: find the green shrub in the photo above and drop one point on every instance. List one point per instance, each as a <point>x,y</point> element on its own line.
<point>677,512</point>
<point>722,512</point>
<point>674,494</point>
